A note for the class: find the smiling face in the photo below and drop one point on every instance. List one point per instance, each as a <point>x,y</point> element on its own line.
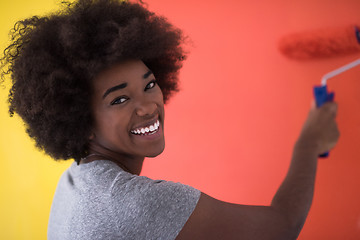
<point>128,110</point>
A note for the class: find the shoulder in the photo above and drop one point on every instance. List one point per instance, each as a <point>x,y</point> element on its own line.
<point>132,205</point>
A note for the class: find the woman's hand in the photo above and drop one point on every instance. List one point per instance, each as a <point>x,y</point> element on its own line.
<point>320,129</point>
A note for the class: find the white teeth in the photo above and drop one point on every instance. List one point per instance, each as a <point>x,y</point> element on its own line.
<point>149,129</point>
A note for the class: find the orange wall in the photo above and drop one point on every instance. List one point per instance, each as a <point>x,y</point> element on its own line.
<point>231,129</point>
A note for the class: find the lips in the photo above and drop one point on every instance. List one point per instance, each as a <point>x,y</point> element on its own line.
<point>148,129</point>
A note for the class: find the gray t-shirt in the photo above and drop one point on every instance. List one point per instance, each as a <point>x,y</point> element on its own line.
<point>99,200</point>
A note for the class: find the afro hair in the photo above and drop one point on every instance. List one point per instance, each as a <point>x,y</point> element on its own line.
<point>53,59</point>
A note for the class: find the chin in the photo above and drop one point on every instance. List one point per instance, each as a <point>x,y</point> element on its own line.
<point>156,153</point>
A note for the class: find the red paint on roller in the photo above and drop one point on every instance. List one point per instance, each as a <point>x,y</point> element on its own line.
<point>322,43</point>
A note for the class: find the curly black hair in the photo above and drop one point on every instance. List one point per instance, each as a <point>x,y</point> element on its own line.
<point>53,59</point>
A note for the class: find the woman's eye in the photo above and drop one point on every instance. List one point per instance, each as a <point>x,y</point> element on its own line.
<point>119,100</point>
<point>150,85</point>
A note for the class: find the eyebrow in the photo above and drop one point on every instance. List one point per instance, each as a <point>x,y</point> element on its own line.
<point>124,85</point>
<point>112,89</point>
<point>146,75</point>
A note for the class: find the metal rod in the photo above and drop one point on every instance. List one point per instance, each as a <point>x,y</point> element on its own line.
<point>338,71</point>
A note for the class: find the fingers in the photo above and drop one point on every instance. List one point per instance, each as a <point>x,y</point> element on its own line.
<point>330,108</point>
<point>331,132</point>
<point>320,127</point>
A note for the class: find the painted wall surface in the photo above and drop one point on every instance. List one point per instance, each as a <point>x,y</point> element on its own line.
<point>231,129</point>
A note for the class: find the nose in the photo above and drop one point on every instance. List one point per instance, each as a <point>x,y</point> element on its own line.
<point>145,108</point>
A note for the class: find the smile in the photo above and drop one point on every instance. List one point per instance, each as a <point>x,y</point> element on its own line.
<point>149,130</point>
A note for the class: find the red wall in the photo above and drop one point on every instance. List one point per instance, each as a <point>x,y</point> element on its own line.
<point>231,129</point>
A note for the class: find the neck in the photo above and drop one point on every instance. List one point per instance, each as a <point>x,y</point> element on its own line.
<point>128,163</point>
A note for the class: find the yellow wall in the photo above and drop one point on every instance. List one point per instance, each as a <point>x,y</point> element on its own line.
<point>28,178</point>
<point>236,82</point>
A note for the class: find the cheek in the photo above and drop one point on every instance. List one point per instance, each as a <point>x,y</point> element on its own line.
<point>160,97</point>
<point>111,124</point>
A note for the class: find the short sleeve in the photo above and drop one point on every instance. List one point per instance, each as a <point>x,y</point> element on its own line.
<point>151,209</point>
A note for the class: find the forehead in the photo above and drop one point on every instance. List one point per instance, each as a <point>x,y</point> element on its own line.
<point>121,72</point>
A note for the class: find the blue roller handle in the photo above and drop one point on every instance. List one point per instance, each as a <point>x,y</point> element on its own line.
<point>321,97</point>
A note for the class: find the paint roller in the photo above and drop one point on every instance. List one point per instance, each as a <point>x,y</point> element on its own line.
<point>323,43</point>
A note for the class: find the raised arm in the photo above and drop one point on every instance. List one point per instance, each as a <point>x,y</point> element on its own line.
<point>284,218</point>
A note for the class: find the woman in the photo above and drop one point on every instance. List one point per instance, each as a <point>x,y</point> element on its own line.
<point>90,82</point>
